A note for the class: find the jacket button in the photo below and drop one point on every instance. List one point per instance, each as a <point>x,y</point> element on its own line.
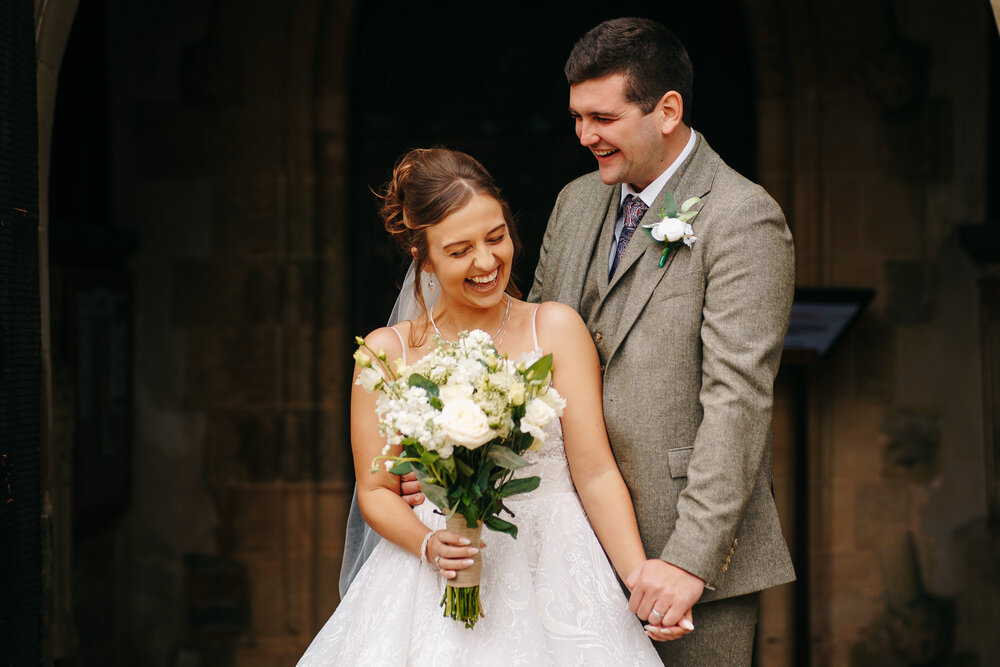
<point>598,337</point>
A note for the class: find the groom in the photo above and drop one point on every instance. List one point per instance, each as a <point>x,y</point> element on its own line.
<point>689,349</point>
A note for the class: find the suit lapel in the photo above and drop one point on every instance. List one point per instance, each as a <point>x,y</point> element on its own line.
<point>692,180</point>
<point>579,241</point>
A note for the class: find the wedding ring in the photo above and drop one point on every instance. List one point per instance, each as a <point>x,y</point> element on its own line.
<point>436,559</point>
<point>656,614</point>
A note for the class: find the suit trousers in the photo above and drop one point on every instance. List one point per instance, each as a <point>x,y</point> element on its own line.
<point>724,632</point>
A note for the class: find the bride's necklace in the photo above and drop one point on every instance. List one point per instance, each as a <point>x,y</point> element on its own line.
<point>493,338</point>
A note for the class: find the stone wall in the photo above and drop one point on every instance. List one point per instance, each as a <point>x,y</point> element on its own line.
<point>873,137</point>
<point>229,143</point>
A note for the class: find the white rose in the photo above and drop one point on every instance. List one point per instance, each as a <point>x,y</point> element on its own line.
<point>466,424</point>
<point>668,229</point>
<point>369,378</point>
<point>539,413</point>
<point>554,400</point>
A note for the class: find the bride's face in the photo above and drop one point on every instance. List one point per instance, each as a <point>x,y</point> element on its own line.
<point>470,253</point>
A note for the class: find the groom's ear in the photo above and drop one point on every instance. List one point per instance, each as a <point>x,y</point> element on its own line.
<point>671,108</point>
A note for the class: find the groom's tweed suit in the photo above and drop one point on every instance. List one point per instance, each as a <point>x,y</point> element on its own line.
<point>689,354</point>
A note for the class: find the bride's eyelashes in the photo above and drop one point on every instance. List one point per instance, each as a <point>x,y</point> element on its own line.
<point>492,241</point>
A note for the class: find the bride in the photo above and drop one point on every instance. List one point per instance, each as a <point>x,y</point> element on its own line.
<point>550,597</point>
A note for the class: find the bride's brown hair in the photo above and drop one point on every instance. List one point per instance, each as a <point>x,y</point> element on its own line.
<point>428,185</point>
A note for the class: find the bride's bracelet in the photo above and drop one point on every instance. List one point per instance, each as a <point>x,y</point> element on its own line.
<point>423,550</point>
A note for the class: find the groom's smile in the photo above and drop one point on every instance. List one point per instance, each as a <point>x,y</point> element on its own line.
<point>625,140</point>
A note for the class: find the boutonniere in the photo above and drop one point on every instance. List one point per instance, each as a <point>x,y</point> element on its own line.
<point>675,227</point>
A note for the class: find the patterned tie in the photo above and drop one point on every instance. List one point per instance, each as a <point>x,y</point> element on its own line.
<point>633,209</point>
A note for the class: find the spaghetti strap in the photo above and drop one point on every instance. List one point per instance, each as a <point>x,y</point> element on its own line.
<point>401,342</point>
<point>534,327</point>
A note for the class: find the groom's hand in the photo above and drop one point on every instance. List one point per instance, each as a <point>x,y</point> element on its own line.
<point>668,590</point>
<point>409,489</point>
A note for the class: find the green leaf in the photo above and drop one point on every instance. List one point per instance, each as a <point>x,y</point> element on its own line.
<point>689,203</point>
<point>649,232</point>
<point>448,464</point>
<point>464,468</point>
<point>520,442</point>
<point>501,526</point>
<point>539,370</point>
<point>429,458</point>
<point>669,204</point>
<point>418,380</point>
<point>522,485</point>
<point>436,494</point>
<point>505,458</point>
<point>401,468</point>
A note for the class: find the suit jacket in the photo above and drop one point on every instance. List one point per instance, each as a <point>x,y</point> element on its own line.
<point>689,354</point>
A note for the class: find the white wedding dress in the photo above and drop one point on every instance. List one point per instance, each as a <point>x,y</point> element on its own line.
<point>549,597</point>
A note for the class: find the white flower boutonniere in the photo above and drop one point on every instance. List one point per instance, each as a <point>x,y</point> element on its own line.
<point>675,227</point>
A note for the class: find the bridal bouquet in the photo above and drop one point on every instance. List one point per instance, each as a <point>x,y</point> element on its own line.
<point>461,417</point>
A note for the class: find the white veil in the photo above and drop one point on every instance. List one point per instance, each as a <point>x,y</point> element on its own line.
<point>406,306</point>
<point>361,539</point>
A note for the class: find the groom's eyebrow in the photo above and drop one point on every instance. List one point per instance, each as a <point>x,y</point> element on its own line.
<point>602,114</point>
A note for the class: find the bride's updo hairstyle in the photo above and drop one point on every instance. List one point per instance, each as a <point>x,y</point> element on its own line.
<point>428,185</point>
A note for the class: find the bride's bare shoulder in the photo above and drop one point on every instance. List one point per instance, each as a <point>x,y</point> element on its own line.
<point>557,315</point>
<point>388,340</point>
<point>559,327</point>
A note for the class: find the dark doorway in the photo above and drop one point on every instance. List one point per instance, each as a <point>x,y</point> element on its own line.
<point>488,81</point>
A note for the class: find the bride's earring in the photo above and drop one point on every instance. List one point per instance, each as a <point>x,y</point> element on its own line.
<point>430,281</point>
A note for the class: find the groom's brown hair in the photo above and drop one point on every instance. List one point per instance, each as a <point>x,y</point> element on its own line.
<point>650,57</point>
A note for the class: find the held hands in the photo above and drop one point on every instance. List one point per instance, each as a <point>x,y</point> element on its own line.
<point>664,594</point>
<point>409,489</point>
<point>450,552</point>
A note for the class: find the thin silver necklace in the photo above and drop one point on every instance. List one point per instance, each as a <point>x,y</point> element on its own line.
<point>493,338</point>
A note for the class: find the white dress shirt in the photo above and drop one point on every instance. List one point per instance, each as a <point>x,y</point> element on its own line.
<point>649,193</point>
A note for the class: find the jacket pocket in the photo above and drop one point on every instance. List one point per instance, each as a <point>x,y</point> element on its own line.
<point>681,284</point>
<point>677,460</point>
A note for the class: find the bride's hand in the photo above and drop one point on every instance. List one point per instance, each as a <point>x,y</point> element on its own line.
<point>451,552</point>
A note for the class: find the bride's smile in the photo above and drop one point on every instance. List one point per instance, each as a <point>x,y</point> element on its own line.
<point>470,253</point>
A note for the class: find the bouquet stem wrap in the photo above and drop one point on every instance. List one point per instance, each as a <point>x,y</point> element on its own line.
<point>461,595</point>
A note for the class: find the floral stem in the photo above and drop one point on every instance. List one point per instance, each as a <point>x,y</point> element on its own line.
<point>663,257</point>
<point>462,604</point>
<point>384,364</point>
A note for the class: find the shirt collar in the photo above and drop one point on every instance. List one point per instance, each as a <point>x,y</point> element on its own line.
<point>651,191</point>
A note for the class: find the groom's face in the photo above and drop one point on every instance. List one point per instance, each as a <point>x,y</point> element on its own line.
<point>627,143</point>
